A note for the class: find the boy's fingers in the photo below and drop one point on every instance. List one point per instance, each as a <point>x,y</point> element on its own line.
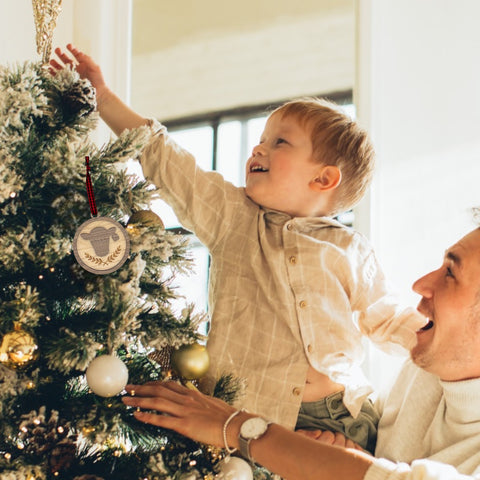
<point>310,433</point>
<point>55,64</point>
<point>75,52</point>
<point>63,57</point>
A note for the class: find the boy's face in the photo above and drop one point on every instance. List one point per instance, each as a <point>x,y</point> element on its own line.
<point>281,167</point>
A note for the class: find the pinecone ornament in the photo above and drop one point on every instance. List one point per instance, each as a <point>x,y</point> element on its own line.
<point>78,100</point>
<point>49,438</point>
<point>62,456</point>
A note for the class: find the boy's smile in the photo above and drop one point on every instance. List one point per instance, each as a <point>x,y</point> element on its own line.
<point>256,167</point>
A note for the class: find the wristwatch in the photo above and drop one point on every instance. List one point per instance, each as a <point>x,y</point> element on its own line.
<point>251,429</point>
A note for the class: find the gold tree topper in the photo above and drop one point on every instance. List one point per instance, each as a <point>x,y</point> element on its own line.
<point>45,13</point>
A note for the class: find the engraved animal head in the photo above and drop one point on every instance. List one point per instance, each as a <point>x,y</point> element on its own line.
<point>99,238</point>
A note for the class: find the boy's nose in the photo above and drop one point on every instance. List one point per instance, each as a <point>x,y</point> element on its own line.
<point>257,150</point>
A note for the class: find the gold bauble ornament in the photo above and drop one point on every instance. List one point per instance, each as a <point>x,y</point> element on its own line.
<point>144,218</point>
<point>190,362</point>
<point>19,349</point>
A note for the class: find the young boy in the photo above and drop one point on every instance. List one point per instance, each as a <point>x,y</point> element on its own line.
<point>285,278</point>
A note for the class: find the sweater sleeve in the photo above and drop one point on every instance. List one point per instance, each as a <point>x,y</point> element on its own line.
<point>382,469</point>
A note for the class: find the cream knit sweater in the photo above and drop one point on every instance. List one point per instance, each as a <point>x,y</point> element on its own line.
<point>429,429</point>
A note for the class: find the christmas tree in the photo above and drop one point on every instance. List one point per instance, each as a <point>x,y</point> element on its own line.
<point>72,329</point>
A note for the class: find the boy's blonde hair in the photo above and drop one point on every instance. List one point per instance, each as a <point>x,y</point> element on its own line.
<point>336,140</point>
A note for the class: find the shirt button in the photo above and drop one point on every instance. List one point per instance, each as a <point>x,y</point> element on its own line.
<point>297,391</point>
<point>302,304</point>
<point>310,348</point>
<point>289,226</point>
<point>293,260</point>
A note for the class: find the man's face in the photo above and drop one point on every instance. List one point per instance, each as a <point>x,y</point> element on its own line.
<point>449,345</point>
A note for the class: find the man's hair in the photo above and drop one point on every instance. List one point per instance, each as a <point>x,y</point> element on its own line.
<point>476,215</point>
<point>336,140</point>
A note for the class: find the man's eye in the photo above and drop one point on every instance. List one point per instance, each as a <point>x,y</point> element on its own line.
<point>449,273</point>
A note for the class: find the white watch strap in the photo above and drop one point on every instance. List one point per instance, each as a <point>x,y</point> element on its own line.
<point>244,447</point>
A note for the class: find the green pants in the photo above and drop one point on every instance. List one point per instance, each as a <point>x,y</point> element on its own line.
<point>331,414</point>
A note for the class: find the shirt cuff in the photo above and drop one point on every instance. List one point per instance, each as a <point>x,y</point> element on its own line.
<point>423,469</point>
<point>382,469</point>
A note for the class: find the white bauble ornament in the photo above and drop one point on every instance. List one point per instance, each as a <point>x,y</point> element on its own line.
<point>107,375</point>
<point>235,468</point>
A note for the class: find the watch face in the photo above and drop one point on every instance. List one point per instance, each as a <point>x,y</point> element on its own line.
<point>253,427</point>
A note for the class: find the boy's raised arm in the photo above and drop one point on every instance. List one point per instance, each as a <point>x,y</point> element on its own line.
<point>116,114</point>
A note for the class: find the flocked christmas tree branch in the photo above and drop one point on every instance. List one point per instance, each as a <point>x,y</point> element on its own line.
<point>56,317</point>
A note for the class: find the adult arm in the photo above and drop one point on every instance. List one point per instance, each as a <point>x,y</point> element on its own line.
<point>287,453</point>
<point>116,114</point>
<point>282,451</point>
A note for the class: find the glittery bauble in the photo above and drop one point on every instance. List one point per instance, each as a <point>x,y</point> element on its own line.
<point>145,218</point>
<point>190,362</point>
<point>107,375</point>
<point>235,468</point>
<point>19,349</point>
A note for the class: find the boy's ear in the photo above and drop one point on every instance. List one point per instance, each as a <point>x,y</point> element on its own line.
<point>327,178</point>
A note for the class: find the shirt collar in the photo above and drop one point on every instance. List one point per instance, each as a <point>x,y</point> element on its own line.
<point>303,223</point>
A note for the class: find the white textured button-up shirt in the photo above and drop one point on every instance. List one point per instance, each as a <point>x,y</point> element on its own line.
<point>282,291</point>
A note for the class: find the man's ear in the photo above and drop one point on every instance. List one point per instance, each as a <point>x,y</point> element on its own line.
<point>327,178</point>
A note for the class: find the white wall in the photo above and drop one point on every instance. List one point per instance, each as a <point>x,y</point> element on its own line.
<point>418,93</point>
<point>210,59</point>
<point>419,96</point>
<point>17,30</point>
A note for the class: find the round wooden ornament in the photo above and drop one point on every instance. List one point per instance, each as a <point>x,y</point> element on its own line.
<point>101,245</point>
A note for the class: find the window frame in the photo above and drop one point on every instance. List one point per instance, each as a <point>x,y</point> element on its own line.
<point>242,114</point>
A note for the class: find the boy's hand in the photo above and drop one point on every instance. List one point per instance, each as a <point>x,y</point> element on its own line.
<point>116,114</point>
<point>83,64</point>
<point>330,438</point>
